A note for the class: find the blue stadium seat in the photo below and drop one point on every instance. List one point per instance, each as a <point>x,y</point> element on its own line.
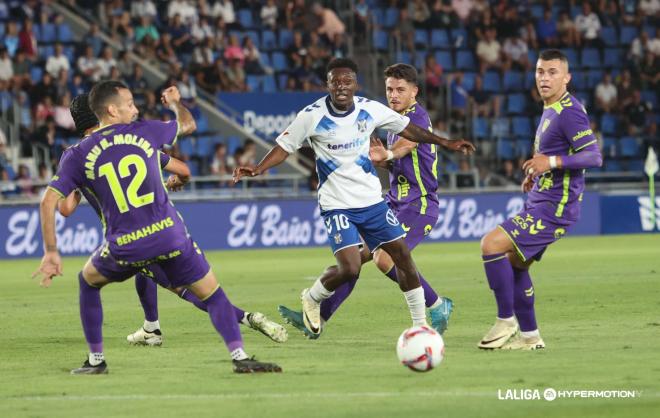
<point>590,58</point>
<point>2,29</point>
<point>612,165</point>
<point>186,146</point>
<point>378,16</point>
<point>469,80</point>
<point>245,18</point>
<point>627,35</point>
<point>194,167</point>
<point>269,84</point>
<point>480,127</point>
<point>532,56</point>
<point>608,124</point>
<point>629,147</point>
<point>64,33</point>
<point>380,40</point>
<point>202,123</point>
<point>513,81</point>
<point>70,53</point>
<point>594,77</point>
<point>537,11</point>
<point>254,35</point>
<point>264,59</point>
<point>651,97</point>
<point>530,79</point>
<point>613,57</point>
<point>36,72</point>
<point>391,17</point>
<point>609,147</point>
<point>650,30</point>
<point>609,36</point>
<point>636,165</point>
<point>521,127</point>
<point>46,51</point>
<point>516,104</point>
<point>404,57</point>
<point>492,82</point>
<point>268,40</point>
<point>439,39</point>
<point>281,80</point>
<point>205,144</point>
<point>578,80</point>
<point>279,61</point>
<point>524,147</point>
<point>575,10</point>
<point>505,149</point>
<point>233,142</point>
<point>500,127</point>
<point>421,39</point>
<point>465,60</point>
<point>47,33</point>
<point>286,38</point>
<point>572,56</point>
<point>420,59</point>
<point>459,38</point>
<point>445,59</point>
<point>253,82</point>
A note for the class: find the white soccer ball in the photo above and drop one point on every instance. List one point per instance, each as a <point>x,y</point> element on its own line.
<point>420,349</point>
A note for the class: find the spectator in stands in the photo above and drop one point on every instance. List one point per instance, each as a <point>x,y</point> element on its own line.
<point>330,24</point>
<point>77,85</point>
<point>252,57</point>
<point>93,38</point>
<point>339,49</point>
<point>6,98</point>
<point>24,181</point>
<point>25,114</point>
<point>181,39</point>
<point>269,14</point>
<point>462,9</point>
<point>236,76</point>
<point>58,61</point>
<point>151,108</point>
<point>528,35</point>
<point>88,64</point>
<point>62,116</point>
<point>625,89</point>
<point>465,176</point>
<point>636,112</point>
<point>27,41</point>
<point>420,14</point>
<point>606,94</point>
<point>515,54</point>
<point>249,156</point>
<point>184,9</point>
<point>146,32</point>
<point>4,160</point>
<point>143,8</point>
<point>124,65</point>
<point>21,70</point>
<point>297,47</point>
<point>588,25</point>
<point>106,62</point>
<point>433,79</point>
<point>43,135</point>
<point>459,96</point>
<point>649,73</point>
<point>484,103</point>
<point>509,25</point>
<point>442,14</point>
<point>44,88</point>
<point>11,39</point>
<point>61,84</point>
<point>649,9</point>
<point>44,110</point>
<point>489,51</point>
<point>203,54</point>
<point>165,51</point>
<point>217,78</point>
<point>225,9</point>
<point>233,160</point>
<point>187,87</point>
<point>318,52</point>
<point>568,33</point>
<point>6,65</point>
<point>362,21</point>
<point>296,15</point>
<point>44,175</point>
<point>234,50</point>
<point>201,30</point>
<point>404,31</point>
<point>547,30</point>
<point>220,165</point>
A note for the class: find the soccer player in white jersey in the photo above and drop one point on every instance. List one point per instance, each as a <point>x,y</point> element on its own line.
<point>338,127</point>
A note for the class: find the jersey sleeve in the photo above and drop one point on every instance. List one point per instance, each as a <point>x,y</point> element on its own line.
<point>575,127</point>
<point>164,159</point>
<point>161,133</point>
<point>296,133</point>
<point>388,119</point>
<point>68,176</point>
<point>421,119</point>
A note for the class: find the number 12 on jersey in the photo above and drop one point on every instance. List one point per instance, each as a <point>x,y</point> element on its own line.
<point>107,170</point>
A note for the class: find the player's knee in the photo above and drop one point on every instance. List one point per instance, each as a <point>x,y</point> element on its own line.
<point>494,242</point>
<point>350,272</point>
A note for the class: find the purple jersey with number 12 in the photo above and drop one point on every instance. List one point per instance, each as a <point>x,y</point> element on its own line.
<point>119,166</point>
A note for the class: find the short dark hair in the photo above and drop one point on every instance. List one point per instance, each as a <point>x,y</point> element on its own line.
<point>553,54</point>
<point>82,115</point>
<point>103,92</point>
<point>402,72</point>
<point>342,63</point>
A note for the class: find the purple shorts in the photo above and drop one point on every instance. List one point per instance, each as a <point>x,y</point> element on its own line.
<point>533,229</point>
<point>416,225</point>
<point>181,267</point>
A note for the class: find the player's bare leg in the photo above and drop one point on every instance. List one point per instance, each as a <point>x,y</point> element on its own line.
<point>407,279</point>
<point>222,316</point>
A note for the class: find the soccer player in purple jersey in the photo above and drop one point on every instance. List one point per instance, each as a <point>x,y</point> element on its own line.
<point>564,147</point>
<point>145,282</point>
<point>412,197</point>
<point>119,164</point>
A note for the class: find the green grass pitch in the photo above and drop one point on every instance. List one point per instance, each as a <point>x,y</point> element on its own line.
<point>598,307</point>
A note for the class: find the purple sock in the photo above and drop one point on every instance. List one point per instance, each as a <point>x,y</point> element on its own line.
<point>190,297</point>
<point>500,278</point>
<point>147,291</point>
<point>523,302</point>
<point>224,319</point>
<point>91,315</point>
<point>429,294</point>
<point>330,305</point>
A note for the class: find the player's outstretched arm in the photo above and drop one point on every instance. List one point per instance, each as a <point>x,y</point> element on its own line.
<point>67,206</point>
<point>540,163</point>
<point>180,174</point>
<point>378,153</point>
<point>275,156</point>
<point>414,133</point>
<point>51,263</point>
<point>171,98</point>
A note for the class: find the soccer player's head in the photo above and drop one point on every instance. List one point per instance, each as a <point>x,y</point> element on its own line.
<point>552,75</point>
<point>401,86</point>
<point>112,102</point>
<point>82,115</point>
<point>342,82</point>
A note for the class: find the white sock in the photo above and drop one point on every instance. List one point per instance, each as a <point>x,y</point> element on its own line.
<point>244,320</point>
<point>150,326</point>
<point>437,303</point>
<point>318,292</point>
<point>239,354</point>
<point>95,358</point>
<point>416,304</point>
<point>509,319</point>
<point>530,334</point>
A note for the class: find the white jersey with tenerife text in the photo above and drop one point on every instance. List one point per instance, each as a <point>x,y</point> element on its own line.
<point>347,178</point>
